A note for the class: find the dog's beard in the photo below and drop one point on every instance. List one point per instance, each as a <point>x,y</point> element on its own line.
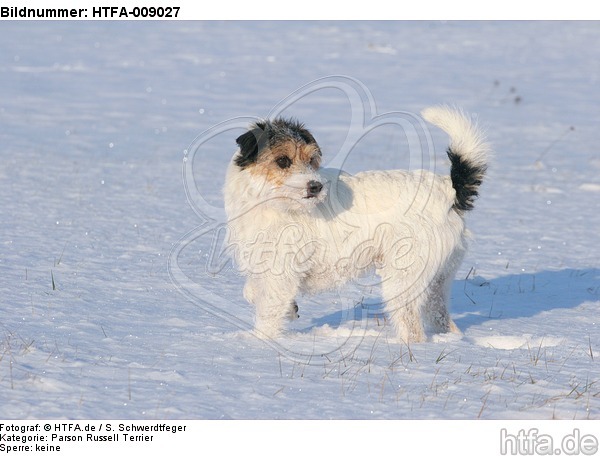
<point>293,194</point>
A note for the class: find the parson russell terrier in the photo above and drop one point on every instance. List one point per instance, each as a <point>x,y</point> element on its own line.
<point>295,228</point>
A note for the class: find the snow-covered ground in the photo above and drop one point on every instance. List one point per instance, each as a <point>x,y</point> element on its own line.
<point>115,303</point>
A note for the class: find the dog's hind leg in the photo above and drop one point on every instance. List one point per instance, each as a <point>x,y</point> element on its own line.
<point>404,308</point>
<point>436,314</point>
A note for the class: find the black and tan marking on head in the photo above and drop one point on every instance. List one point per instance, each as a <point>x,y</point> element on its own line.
<point>276,147</point>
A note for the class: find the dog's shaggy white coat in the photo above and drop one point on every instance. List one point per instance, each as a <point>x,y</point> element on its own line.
<point>407,226</point>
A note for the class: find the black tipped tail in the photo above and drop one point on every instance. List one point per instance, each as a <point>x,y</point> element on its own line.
<point>468,153</point>
<point>466,179</point>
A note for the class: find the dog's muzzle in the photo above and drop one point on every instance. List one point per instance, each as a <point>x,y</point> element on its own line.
<point>313,188</point>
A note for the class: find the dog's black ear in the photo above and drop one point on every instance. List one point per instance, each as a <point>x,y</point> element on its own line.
<point>250,144</point>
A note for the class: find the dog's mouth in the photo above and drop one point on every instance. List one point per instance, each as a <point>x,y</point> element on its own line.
<point>311,201</point>
<point>315,197</point>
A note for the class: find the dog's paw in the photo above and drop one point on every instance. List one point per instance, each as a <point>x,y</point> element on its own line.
<point>293,312</point>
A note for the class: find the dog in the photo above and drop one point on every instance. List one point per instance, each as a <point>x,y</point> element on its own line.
<point>294,227</point>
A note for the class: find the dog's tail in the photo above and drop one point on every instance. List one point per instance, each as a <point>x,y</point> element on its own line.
<point>468,152</point>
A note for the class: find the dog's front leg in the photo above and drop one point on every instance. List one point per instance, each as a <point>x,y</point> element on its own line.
<point>274,298</point>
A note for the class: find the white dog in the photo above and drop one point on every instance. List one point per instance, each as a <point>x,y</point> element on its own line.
<point>295,228</point>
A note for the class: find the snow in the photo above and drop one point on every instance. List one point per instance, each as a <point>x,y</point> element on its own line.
<point>115,303</point>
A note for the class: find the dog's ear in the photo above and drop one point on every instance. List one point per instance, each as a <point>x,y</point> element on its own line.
<point>251,143</point>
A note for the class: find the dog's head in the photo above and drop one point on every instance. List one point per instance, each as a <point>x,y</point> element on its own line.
<point>282,159</point>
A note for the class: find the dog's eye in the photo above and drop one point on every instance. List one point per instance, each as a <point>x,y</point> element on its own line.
<point>314,161</point>
<point>283,162</point>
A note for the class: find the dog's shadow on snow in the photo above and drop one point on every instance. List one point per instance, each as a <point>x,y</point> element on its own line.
<point>514,296</point>
<point>476,300</point>
<point>370,308</point>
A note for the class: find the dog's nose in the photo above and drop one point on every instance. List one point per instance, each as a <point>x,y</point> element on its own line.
<point>313,188</point>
